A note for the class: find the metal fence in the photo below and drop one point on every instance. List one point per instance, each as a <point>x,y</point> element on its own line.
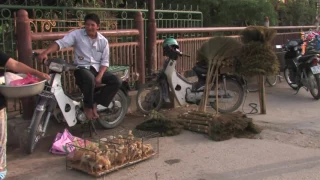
<point>65,15</point>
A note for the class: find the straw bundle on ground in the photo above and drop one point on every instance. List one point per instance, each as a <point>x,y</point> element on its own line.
<point>159,123</point>
<point>221,127</point>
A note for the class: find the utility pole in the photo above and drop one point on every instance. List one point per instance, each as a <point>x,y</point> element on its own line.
<point>318,16</point>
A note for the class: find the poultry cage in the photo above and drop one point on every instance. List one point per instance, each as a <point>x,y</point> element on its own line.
<point>101,156</point>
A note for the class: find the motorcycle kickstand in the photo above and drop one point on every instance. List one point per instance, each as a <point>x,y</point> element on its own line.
<point>90,125</point>
<point>299,90</point>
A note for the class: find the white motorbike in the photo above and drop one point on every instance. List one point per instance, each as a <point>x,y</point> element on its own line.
<point>54,101</point>
<point>230,87</point>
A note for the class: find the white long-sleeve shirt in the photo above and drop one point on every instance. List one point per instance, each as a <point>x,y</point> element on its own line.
<point>87,51</point>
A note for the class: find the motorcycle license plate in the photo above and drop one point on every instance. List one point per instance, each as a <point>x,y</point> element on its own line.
<point>315,69</point>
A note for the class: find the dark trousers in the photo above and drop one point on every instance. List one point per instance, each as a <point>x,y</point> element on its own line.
<point>85,79</point>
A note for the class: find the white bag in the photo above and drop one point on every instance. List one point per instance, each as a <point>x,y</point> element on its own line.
<point>11,77</point>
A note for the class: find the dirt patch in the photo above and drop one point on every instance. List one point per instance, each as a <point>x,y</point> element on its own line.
<point>290,134</point>
<point>172,161</point>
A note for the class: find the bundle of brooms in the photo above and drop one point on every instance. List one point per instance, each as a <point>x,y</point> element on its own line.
<point>257,56</point>
<point>157,122</point>
<point>219,127</point>
<point>252,56</point>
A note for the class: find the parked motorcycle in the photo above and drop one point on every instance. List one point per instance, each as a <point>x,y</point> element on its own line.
<point>53,100</point>
<point>302,70</point>
<point>230,87</point>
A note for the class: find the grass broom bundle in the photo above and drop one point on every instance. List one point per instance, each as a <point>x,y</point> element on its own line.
<point>219,128</point>
<point>257,55</point>
<point>214,53</point>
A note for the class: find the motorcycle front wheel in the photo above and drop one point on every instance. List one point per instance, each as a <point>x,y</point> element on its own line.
<point>286,73</point>
<point>149,97</point>
<point>252,84</point>
<point>228,90</point>
<point>314,85</point>
<point>111,117</point>
<point>272,80</point>
<point>39,118</point>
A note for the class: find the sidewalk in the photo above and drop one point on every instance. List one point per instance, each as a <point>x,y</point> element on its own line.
<point>287,148</point>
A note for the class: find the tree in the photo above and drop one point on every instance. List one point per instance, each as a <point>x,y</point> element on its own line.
<point>244,13</point>
<point>230,12</point>
<point>207,7</point>
<point>301,12</point>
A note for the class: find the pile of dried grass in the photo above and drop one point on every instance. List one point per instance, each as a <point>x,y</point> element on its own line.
<point>220,127</point>
<point>216,53</point>
<point>257,56</point>
<point>254,55</point>
<point>157,122</point>
<point>219,51</point>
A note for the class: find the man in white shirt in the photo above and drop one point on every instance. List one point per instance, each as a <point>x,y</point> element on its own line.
<point>91,54</point>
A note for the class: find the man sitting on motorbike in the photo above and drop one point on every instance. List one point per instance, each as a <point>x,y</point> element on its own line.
<point>91,54</point>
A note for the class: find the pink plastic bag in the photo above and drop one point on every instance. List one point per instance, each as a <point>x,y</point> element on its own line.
<point>27,80</point>
<point>60,145</point>
<point>63,143</point>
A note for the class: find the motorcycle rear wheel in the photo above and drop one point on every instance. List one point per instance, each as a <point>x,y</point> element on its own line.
<point>119,116</point>
<point>231,84</point>
<point>153,100</point>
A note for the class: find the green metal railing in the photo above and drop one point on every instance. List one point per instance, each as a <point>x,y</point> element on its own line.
<point>65,15</point>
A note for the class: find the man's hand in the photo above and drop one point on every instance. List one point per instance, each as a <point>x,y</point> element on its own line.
<point>98,80</point>
<point>43,76</point>
<point>42,57</point>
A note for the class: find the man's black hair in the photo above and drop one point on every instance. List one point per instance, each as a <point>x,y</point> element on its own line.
<point>92,17</point>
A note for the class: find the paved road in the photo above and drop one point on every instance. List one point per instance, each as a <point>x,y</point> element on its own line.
<point>287,148</point>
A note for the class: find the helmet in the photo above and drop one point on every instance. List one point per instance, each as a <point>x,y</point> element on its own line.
<point>170,42</point>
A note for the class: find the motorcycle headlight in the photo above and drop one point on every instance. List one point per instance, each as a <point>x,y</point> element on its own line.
<point>125,75</point>
<point>56,67</point>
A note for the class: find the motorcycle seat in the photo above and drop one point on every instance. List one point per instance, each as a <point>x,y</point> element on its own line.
<point>183,78</point>
<point>200,70</point>
<point>305,57</point>
<point>295,42</point>
<point>75,96</point>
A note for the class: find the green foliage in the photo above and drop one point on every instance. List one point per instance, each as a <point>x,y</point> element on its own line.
<point>230,12</point>
<point>250,12</point>
<point>245,12</point>
<point>207,7</point>
<point>297,12</point>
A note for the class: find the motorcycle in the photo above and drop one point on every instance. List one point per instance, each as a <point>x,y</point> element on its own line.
<point>230,87</point>
<point>302,70</point>
<point>68,108</point>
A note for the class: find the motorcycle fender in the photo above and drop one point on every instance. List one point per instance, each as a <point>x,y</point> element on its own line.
<point>164,87</point>
<point>125,88</point>
<point>67,107</point>
<point>239,79</point>
<point>41,106</point>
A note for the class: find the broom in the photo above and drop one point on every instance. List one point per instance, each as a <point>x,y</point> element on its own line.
<point>215,52</point>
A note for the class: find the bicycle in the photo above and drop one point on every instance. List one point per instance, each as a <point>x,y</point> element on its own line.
<point>270,80</point>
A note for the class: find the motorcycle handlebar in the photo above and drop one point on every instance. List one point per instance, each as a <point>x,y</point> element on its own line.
<point>181,54</point>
